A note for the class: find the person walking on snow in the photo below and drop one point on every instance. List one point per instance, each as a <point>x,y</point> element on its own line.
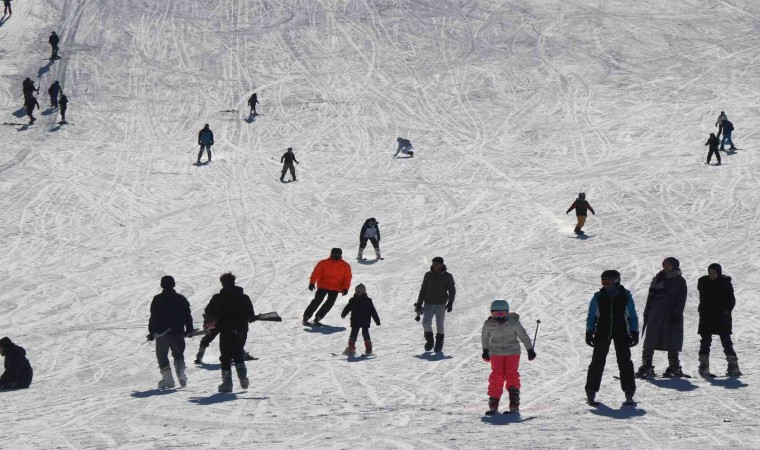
<point>405,147</point>
<point>18,372</point>
<point>716,302</point>
<point>30,104</point>
<point>63,103</point>
<point>728,129</point>
<point>53,40</point>
<point>231,309</point>
<point>436,298</point>
<point>170,311</point>
<point>501,337</point>
<point>663,319</point>
<point>53,92</point>
<point>252,103</point>
<point>370,232</point>
<point>205,140</point>
<point>288,158</point>
<point>211,333</point>
<point>581,207</point>
<point>7,9</point>
<point>362,312</point>
<point>611,318</point>
<point>330,276</point>
<point>712,141</point>
<point>28,88</point>
<point>719,122</point>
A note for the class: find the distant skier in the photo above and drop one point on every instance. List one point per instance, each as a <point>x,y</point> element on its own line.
<point>581,207</point>
<point>501,337</point>
<point>53,40</point>
<point>370,232</point>
<point>205,140</point>
<point>435,299</point>
<point>288,158</point>
<point>252,103</point>
<point>30,104</point>
<point>330,277</point>
<point>231,309</point>
<point>611,318</point>
<point>18,372</point>
<point>405,147</point>
<point>211,333</point>
<point>663,319</point>
<point>170,311</point>
<point>712,141</point>
<point>63,103</point>
<point>28,87</point>
<point>53,92</point>
<point>7,9</point>
<point>362,312</point>
<point>728,129</point>
<point>716,302</point>
<point>719,122</point>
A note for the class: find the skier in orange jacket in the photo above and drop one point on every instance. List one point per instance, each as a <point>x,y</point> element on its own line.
<point>329,277</point>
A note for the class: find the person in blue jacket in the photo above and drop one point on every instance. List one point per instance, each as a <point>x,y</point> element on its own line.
<point>611,318</point>
<point>205,140</point>
<point>728,129</point>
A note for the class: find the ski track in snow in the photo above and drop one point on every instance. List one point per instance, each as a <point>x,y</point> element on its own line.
<point>513,107</point>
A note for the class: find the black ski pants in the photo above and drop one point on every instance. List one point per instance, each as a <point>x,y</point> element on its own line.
<point>7,9</point>
<point>208,151</point>
<point>231,343</point>
<point>63,114</point>
<point>713,151</point>
<point>355,334</point>
<point>209,337</point>
<point>599,358</point>
<point>54,101</point>
<point>363,243</point>
<point>54,48</point>
<point>288,167</point>
<point>318,298</point>
<point>725,339</point>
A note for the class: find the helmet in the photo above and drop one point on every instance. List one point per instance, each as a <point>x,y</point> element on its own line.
<point>500,305</point>
<point>611,275</point>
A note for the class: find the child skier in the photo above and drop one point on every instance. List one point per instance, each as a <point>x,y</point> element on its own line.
<point>405,147</point>
<point>716,303</point>
<point>502,333</point>
<point>362,313</point>
<point>580,205</point>
<point>370,232</point>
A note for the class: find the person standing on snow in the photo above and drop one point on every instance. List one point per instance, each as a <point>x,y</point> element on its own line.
<point>205,140</point>
<point>7,9</point>
<point>719,122</point>
<point>28,88</point>
<point>30,104</point>
<point>663,319</point>
<point>362,312</point>
<point>611,318</point>
<point>53,40</point>
<point>288,158</point>
<point>18,372</point>
<point>581,207</point>
<point>370,232</point>
<point>501,337</point>
<point>330,276</point>
<point>713,142</point>
<point>436,298</point>
<point>252,103</point>
<point>170,311</point>
<point>63,103</point>
<point>405,147</point>
<point>53,91</point>
<point>716,302</point>
<point>728,129</point>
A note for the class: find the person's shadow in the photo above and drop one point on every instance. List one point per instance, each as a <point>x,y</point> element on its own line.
<point>368,262</point>
<point>505,419</point>
<point>209,366</point>
<point>728,383</point>
<point>151,393</point>
<point>45,69</point>
<point>433,356</point>
<point>48,112</point>
<point>251,118</point>
<point>325,329</point>
<point>219,397</point>
<point>625,411</point>
<point>4,19</point>
<point>678,384</point>
<point>21,112</point>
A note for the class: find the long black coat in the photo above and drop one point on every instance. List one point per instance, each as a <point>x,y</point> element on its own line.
<point>362,311</point>
<point>663,314</point>
<point>18,371</point>
<point>170,310</point>
<point>716,301</point>
<point>231,309</point>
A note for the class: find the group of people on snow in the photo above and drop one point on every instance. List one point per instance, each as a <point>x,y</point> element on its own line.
<point>57,99</point>
<point>726,128</point>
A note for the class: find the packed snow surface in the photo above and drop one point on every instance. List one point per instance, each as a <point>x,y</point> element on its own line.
<point>513,108</point>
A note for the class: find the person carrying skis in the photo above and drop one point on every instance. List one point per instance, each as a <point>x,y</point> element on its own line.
<point>252,103</point>
<point>435,299</point>
<point>663,319</point>
<point>405,147</point>
<point>63,103</point>
<point>728,129</point>
<point>370,232</point>
<point>231,309</point>
<point>716,302</point>
<point>288,158</point>
<point>30,104</point>
<point>211,333</point>
<point>330,276</point>
<point>205,140</point>
<point>18,372</point>
<point>53,40</point>
<point>501,337</point>
<point>53,91</point>
<point>170,311</point>
<point>581,207</point>
<point>713,141</point>
<point>362,312</point>
<point>719,122</point>
<point>7,9</point>
<point>611,318</point>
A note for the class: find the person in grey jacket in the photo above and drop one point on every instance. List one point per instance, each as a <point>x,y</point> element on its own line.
<point>436,298</point>
<point>719,122</point>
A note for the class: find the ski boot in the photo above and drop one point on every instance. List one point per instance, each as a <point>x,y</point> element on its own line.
<point>179,367</point>
<point>248,357</point>
<point>438,343</point>
<point>514,399</point>
<point>733,366</point>
<point>317,322</point>
<point>629,398</point>
<point>577,230</point>
<point>673,372</point>
<point>704,365</point>
<point>377,254</point>
<point>367,348</point>
<point>360,256</point>
<point>199,355</point>
<point>350,351</point>
<point>591,398</point>
<point>167,382</point>
<point>226,385</point>
<point>242,373</point>
<point>493,406</point>
<point>645,371</point>
<point>428,341</point>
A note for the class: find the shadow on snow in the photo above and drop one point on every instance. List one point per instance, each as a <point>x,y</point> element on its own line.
<point>151,393</point>
<point>505,419</point>
<point>678,384</point>
<point>433,356</point>
<point>625,411</point>
<point>728,383</point>
<point>325,329</point>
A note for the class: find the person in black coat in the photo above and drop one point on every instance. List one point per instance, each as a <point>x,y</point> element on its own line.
<point>370,232</point>
<point>64,104</point>
<point>18,372</point>
<point>288,158</point>
<point>28,87</point>
<point>362,313</point>
<point>713,142</point>
<point>53,40</point>
<point>231,309</point>
<point>716,302</point>
<point>252,103</point>
<point>53,91</point>
<point>170,322</point>
<point>30,103</point>
<point>581,207</point>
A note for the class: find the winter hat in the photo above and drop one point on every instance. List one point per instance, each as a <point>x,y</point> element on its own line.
<point>167,282</point>
<point>5,342</point>
<point>582,195</point>
<point>716,267</point>
<point>336,252</point>
<point>438,259</point>
<point>673,262</point>
<point>500,305</point>
<point>360,289</point>
<point>611,275</point>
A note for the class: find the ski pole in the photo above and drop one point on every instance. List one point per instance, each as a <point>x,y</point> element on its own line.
<point>535,335</point>
<point>157,335</point>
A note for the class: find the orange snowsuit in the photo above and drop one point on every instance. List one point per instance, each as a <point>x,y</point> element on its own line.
<point>332,275</point>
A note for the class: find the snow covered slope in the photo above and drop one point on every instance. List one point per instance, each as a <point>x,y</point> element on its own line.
<point>513,108</point>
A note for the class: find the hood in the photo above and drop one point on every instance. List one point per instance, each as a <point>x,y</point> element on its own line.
<point>443,268</point>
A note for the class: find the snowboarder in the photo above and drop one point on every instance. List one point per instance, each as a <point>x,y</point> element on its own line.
<point>288,158</point>
<point>170,311</point>
<point>30,104</point>
<point>53,91</point>
<point>18,372</point>
<point>369,232</point>
<point>362,313</point>
<point>713,141</point>
<point>231,309</point>
<point>581,207</point>
<point>53,40</point>
<point>252,103</point>
<point>330,276</point>
<point>501,337</point>
<point>663,319</point>
<point>405,147</point>
<point>436,298</point>
<point>28,87</point>
<point>611,318</point>
<point>719,122</point>
<point>7,9</point>
<point>63,102</point>
<point>205,140</point>
<point>716,302</point>
<point>728,129</point>
<point>211,333</point>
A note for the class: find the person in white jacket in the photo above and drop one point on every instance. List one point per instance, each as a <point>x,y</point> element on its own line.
<point>502,334</point>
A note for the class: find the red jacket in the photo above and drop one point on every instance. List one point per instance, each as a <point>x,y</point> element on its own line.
<point>331,274</point>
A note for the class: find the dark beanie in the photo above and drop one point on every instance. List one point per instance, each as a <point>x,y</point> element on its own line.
<point>167,282</point>
<point>611,275</point>
<point>5,342</point>
<point>673,262</point>
<point>336,252</point>
<point>716,267</point>
<point>438,259</point>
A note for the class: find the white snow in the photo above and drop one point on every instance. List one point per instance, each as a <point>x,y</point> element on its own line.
<point>512,106</point>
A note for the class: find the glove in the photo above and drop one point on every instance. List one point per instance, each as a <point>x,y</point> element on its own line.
<point>345,292</point>
<point>593,213</point>
<point>634,339</point>
<point>150,337</point>
<point>590,338</point>
<point>417,308</point>
<point>531,355</point>
<point>311,286</point>
<point>449,307</point>
<point>675,319</point>
<point>378,324</point>
<point>486,356</point>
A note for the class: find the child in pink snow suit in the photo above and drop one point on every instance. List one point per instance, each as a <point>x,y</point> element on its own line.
<point>502,333</point>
